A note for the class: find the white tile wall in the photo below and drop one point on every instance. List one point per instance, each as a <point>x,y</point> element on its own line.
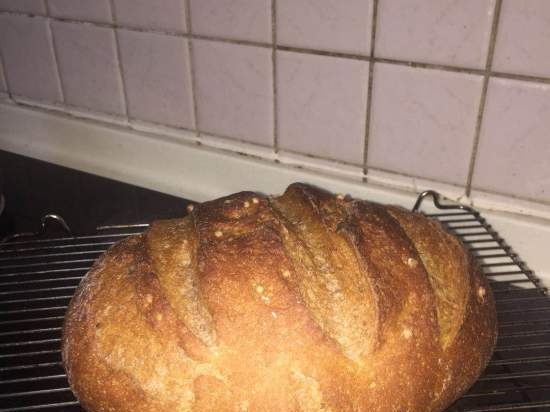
<point>335,25</point>
<point>232,19</point>
<point>166,15</point>
<point>97,10</point>
<point>25,6</point>
<point>88,66</point>
<point>523,41</point>
<point>514,145</point>
<point>435,31</point>
<point>423,122</point>
<point>234,90</point>
<point>322,105</point>
<point>27,52</point>
<point>315,98</point>
<point>157,78</point>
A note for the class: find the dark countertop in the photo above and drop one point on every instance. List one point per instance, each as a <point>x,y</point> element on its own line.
<point>33,188</point>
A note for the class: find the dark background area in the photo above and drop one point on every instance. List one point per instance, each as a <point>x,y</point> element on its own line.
<point>33,188</point>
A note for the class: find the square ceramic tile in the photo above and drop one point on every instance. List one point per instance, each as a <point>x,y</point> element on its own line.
<point>88,66</point>
<point>96,10</point>
<point>234,90</point>
<point>166,15</point>
<point>435,31</point>
<point>523,38</point>
<point>25,6</point>
<point>322,105</point>
<point>423,122</point>
<point>514,146</point>
<point>157,77</point>
<point>334,25</point>
<point>29,62</point>
<point>234,19</point>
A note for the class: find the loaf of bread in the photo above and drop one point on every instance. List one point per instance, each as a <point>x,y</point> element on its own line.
<point>302,302</point>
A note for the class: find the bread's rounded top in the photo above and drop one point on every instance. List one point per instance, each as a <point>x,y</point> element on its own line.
<point>307,301</point>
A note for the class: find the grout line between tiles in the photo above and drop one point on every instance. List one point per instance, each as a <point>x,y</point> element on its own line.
<point>370,89</point>
<point>512,196</point>
<point>406,175</point>
<point>228,40</point>
<point>415,64</point>
<point>328,159</point>
<point>237,140</point>
<point>55,53</point>
<point>430,66</point>
<point>274,75</point>
<point>324,53</point>
<point>119,59</point>
<point>192,74</point>
<point>173,33</point>
<point>414,183</point>
<point>521,77</point>
<point>483,97</point>
<point>140,124</point>
<point>72,110</point>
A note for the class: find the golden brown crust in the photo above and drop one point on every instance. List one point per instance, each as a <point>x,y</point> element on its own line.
<point>328,273</point>
<point>305,302</point>
<point>466,307</point>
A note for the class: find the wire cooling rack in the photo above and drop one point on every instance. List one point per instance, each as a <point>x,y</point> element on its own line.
<point>39,276</point>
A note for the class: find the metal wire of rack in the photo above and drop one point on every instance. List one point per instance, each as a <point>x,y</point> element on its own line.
<point>39,276</point>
